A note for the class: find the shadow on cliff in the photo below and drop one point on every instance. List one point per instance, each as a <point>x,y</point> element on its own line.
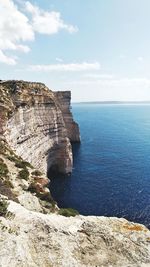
<point>53,168</point>
<point>76,150</point>
<point>60,184</point>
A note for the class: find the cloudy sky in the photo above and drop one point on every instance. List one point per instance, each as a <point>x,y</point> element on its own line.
<point>98,49</point>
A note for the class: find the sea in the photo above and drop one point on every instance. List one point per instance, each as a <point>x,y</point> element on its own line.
<point>111,172</point>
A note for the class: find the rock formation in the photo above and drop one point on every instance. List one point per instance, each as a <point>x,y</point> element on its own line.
<point>64,99</point>
<point>38,124</point>
<point>31,239</point>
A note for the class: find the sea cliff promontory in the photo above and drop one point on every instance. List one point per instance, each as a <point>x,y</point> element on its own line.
<point>38,124</point>
<point>36,132</point>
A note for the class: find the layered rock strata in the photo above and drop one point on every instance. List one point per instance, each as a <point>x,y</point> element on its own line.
<point>64,99</point>
<point>38,124</point>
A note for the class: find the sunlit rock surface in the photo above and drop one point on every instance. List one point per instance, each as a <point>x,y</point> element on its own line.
<point>30,239</point>
<point>64,99</point>
<point>38,124</point>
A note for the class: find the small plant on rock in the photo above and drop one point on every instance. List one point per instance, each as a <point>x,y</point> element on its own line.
<point>3,206</point>
<point>23,174</point>
<point>68,212</point>
<point>3,169</point>
<point>22,164</point>
<point>36,173</point>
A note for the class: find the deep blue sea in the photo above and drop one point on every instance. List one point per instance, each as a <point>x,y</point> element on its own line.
<point>111,174</point>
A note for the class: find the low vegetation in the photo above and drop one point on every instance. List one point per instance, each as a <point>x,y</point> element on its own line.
<point>22,164</point>
<point>3,169</point>
<point>36,173</point>
<point>3,206</point>
<point>23,174</point>
<point>68,212</point>
<point>19,163</point>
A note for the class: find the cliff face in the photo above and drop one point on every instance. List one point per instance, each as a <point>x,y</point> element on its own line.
<point>64,99</point>
<point>39,125</point>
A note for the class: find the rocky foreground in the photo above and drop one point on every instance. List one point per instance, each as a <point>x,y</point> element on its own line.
<point>31,239</point>
<point>36,131</point>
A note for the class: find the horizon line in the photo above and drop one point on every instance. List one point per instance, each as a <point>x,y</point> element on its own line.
<point>113,102</point>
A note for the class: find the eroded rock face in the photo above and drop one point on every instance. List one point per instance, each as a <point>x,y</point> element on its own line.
<point>38,126</point>
<point>30,239</point>
<point>72,127</point>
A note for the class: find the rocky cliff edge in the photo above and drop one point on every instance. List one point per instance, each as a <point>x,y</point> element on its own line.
<point>32,239</point>
<point>38,124</point>
<point>36,127</point>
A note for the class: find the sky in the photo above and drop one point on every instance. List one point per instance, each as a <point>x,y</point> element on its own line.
<point>98,49</point>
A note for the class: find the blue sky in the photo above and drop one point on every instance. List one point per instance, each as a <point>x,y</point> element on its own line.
<point>100,49</point>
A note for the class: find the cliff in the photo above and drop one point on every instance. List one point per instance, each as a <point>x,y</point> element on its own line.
<point>36,131</point>
<point>38,124</point>
<point>64,99</point>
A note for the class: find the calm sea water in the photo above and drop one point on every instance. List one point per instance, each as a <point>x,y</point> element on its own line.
<point>111,174</point>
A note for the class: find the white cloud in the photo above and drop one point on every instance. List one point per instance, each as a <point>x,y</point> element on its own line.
<point>16,27</point>
<point>84,66</point>
<point>7,60</point>
<point>45,22</point>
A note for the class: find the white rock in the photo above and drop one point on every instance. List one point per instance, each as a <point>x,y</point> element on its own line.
<point>34,239</point>
<point>30,202</point>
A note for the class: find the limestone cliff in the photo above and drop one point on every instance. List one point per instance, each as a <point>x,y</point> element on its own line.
<point>64,99</point>
<point>38,124</point>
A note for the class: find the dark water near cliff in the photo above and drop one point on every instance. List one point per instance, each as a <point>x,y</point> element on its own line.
<point>111,174</point>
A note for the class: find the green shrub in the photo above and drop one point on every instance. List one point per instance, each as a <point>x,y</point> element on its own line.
<point>3,169</point>
<point>68,212</point>
<point>11,158</point>
<point>36,173</point>
<point>20,165</point>
<point>27,164</point>
<point>3,206</point>
<point>23,174</point>
<point>23,164</point>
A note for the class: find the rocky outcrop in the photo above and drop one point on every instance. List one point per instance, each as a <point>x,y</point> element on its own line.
<point>38,124</point>
<point>30,239</point>
<point>20,182</point>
